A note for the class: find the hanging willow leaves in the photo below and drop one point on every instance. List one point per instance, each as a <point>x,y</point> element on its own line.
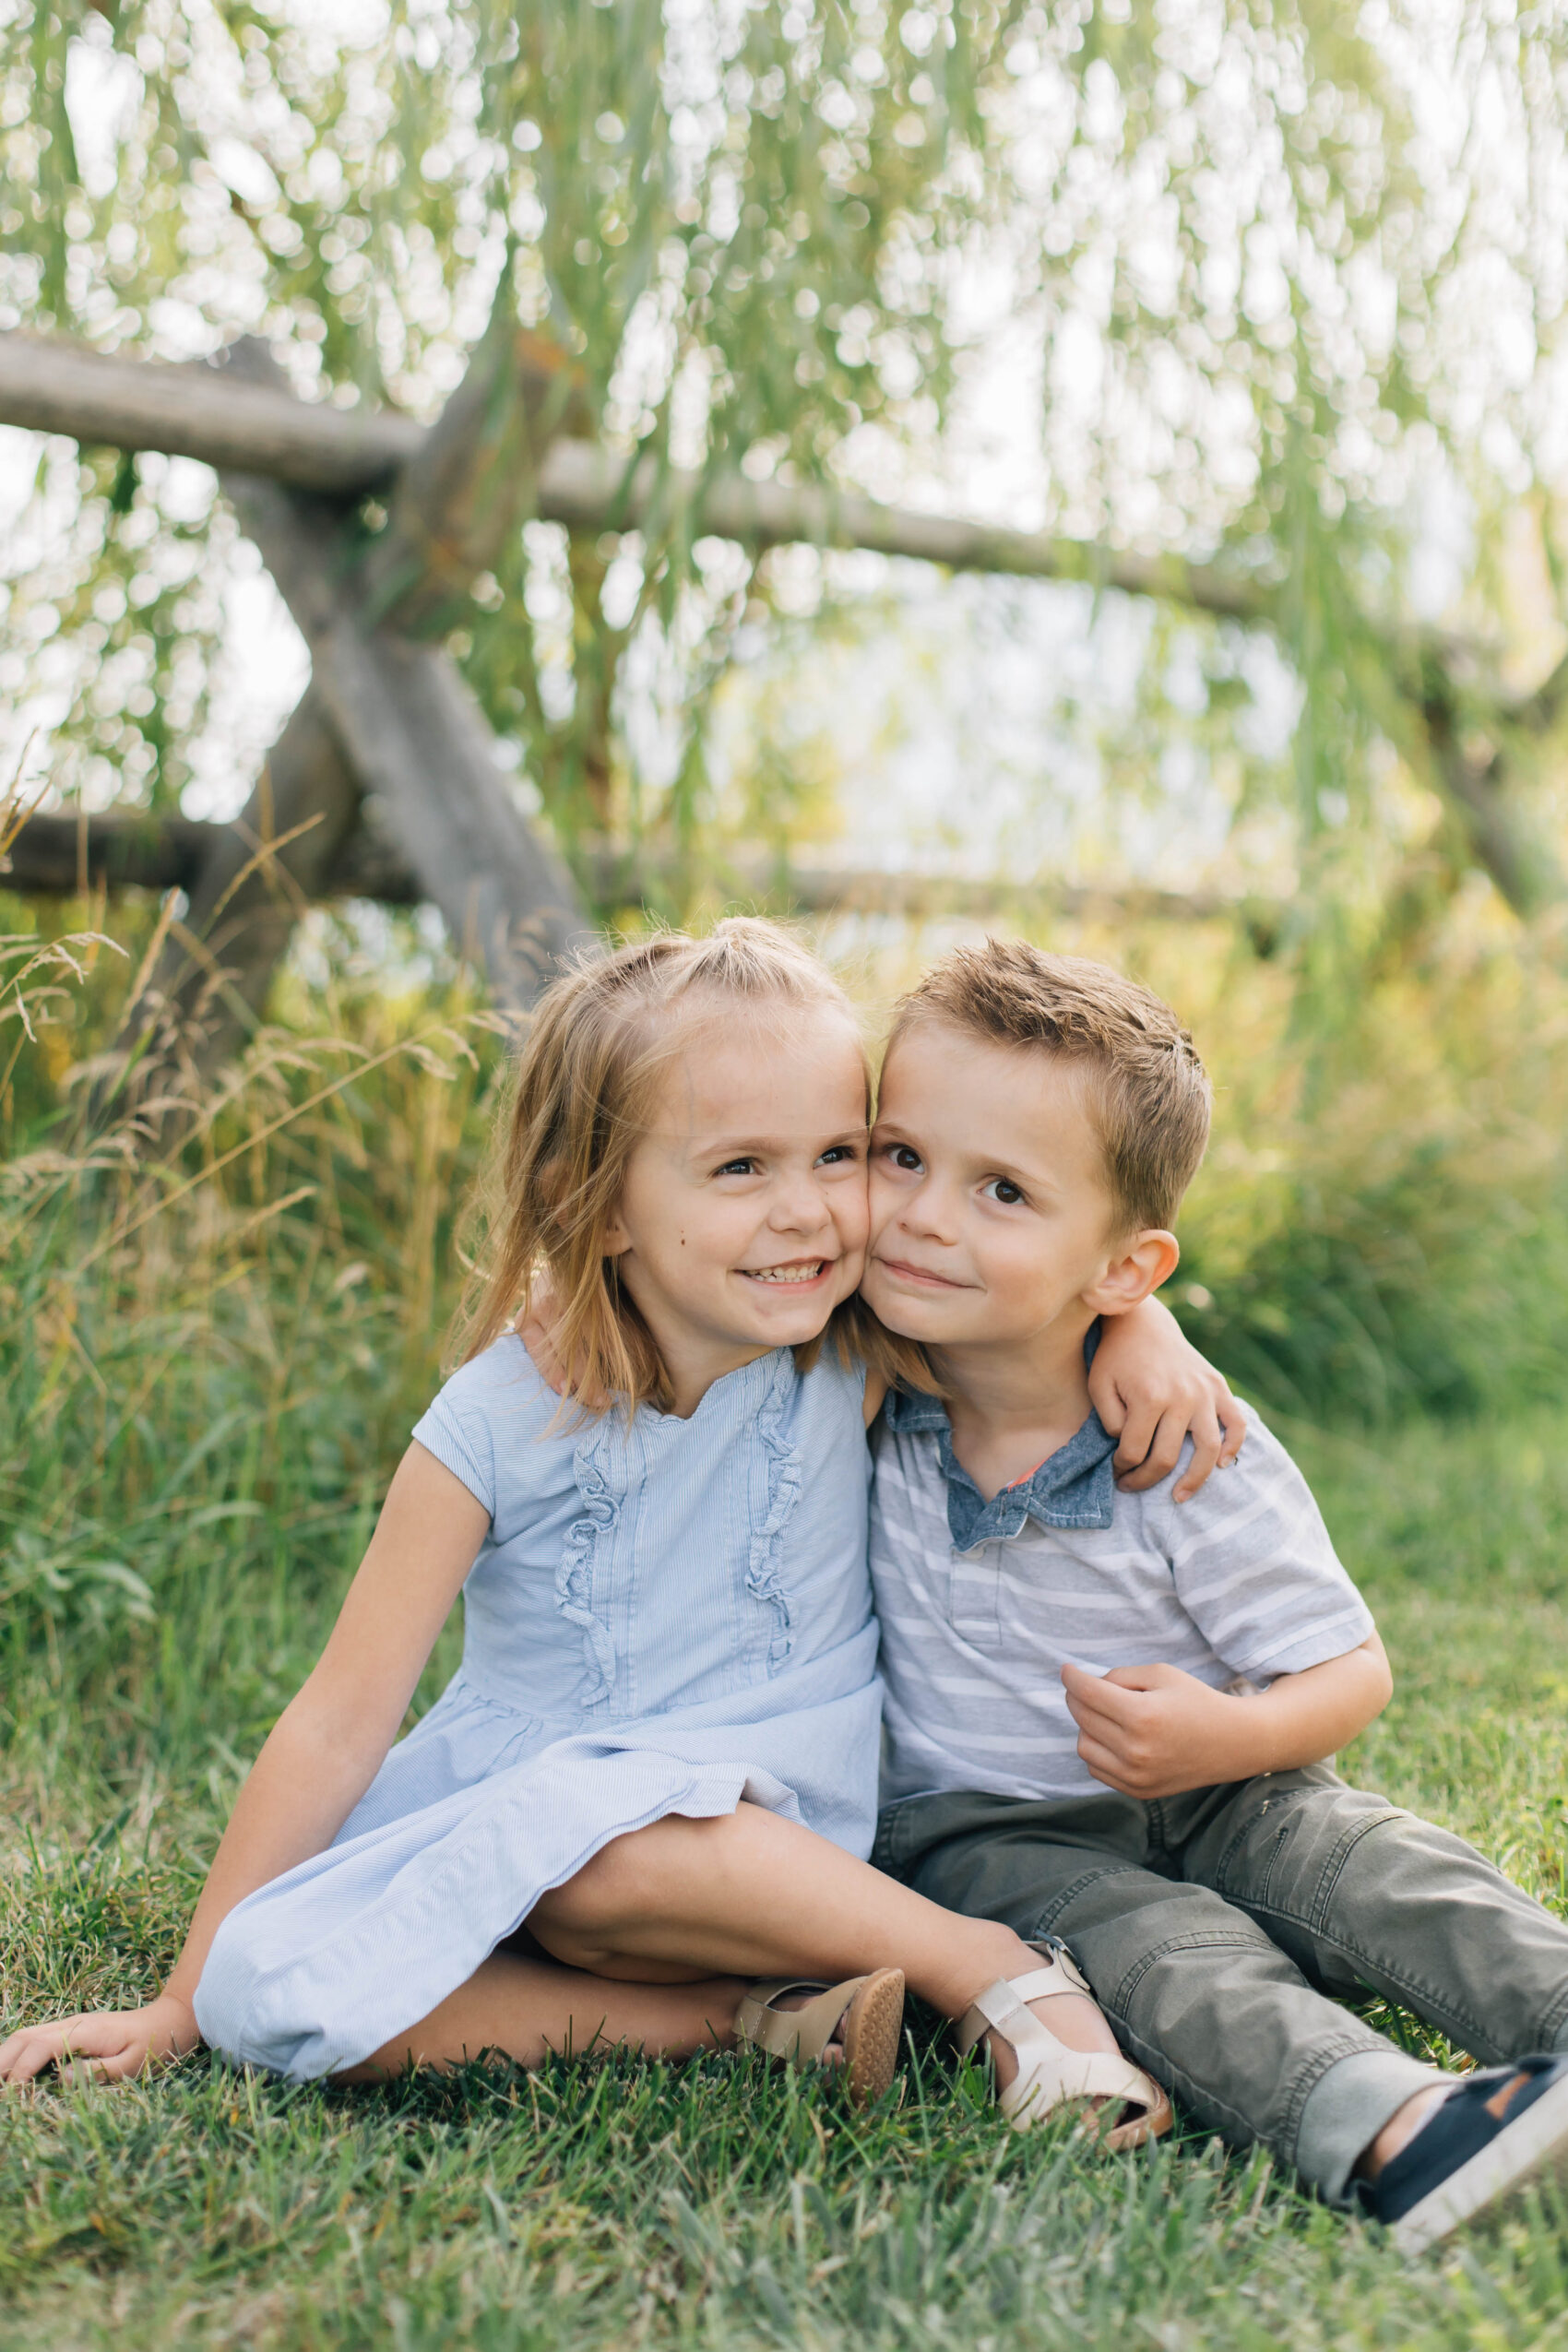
<point>1267,272</point>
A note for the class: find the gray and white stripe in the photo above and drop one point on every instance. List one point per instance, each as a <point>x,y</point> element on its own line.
<point>1241,1580</point>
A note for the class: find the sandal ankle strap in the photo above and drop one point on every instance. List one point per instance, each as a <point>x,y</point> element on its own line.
<point>1002,2002</point>
<point>1050,2073</point>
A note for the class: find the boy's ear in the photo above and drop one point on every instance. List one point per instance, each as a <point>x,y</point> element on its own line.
<point>1149,1259</point>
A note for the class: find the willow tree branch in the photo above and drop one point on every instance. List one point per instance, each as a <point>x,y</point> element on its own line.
<point>130,851</point>
<point>258,877</point>
<point>57,386</point>
<point>54,385</point>
<point>1475,783</point>
<point>472,479</point>
<point>56,856</point>
<point>590,489</point>
<point>415,736</point>
<point>459,488</point>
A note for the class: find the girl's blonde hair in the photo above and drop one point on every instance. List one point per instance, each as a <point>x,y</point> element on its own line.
<point>583,1097</point>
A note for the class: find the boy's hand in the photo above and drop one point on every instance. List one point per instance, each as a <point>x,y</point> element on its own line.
<point>111,2043</point>
<point>1153,1730</point>
<point>1151,1387</point>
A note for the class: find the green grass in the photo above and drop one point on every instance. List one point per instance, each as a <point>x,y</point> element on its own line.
<point>718,2204</point>
<point>202,1391</point>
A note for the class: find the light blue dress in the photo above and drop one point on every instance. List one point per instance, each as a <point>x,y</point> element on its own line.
<point>665,1616</point>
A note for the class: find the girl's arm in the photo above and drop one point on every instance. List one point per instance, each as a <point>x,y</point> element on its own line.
<point>319,1759</point>
<point>1154,1732</point>
<point>1151,1388</point>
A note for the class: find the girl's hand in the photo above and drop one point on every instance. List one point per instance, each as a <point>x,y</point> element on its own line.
<point>1151,1388</point>
<point>111,2043</point>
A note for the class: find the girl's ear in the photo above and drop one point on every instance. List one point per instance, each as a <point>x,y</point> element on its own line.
<point>616,1241</point>
<point>1149,1260</point>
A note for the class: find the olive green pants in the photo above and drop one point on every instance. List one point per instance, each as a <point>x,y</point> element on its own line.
<point>1220,1930</point>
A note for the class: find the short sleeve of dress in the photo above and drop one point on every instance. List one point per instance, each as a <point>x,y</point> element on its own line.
<point>442,1431</point>
<point>461,1426</point>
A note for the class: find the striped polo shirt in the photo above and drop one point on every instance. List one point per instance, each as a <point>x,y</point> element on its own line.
<point>983,1603</point>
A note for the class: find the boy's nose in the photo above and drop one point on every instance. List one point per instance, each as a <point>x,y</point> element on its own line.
<point>926,1218</point>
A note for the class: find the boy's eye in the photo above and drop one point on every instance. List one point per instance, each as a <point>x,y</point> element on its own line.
<point>905,1157</point>
<point>1007,1193</point>
<point>738,1167</point>
<point>837,1154</point>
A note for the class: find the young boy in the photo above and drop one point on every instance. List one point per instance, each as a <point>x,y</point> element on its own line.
<point>1074,1746</point>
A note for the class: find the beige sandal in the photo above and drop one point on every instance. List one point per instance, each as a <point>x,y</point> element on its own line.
<point>865,2013</point>
<point>1050,2075</point>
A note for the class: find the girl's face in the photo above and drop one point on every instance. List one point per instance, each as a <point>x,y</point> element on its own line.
<point>742,1221</point>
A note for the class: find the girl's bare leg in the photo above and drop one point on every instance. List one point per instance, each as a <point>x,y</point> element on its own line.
<point>530,2008</point>
<point>751,1895</point>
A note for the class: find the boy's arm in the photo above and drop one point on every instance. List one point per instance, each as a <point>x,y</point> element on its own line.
<point>1150,1387</point>
<point>1154,1731</point>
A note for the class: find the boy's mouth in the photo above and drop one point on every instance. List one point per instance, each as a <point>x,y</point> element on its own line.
<point>793,1276</point>
<point>902,1271</point>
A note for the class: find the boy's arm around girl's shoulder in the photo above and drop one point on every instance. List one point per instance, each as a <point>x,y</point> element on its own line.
<point>318,1760</point>
<point>1153,1391</point>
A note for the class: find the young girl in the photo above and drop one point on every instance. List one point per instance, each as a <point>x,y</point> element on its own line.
<point>661,1749</point>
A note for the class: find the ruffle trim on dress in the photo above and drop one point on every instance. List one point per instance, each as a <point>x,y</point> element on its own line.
<point>786,1476</point>
<point>573,1578</point>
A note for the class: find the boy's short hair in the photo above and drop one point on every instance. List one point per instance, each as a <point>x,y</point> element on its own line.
<point>1146,1090</point>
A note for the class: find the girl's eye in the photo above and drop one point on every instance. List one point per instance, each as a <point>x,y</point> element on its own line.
<point>905,1156</point>
<point>837,1154</point>
<point>738,1167</point>
<point>1001,1191</point>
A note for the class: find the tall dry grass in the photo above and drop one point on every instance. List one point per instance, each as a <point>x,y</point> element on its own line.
<point>220,1313</point>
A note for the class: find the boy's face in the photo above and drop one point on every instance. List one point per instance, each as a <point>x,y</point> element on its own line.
<point>990,1214</point>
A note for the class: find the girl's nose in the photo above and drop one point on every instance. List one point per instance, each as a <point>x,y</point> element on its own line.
<point>799,1208</point>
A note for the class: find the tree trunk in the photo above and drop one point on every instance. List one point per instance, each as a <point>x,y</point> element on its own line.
<point>415,737</point>
<point>247,894</point>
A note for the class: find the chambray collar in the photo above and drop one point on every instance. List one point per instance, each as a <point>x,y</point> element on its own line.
<point>1076,1488</point>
